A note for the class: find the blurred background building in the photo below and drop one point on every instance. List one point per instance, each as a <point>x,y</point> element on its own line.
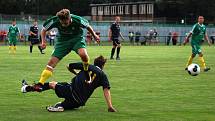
<point>128,11</point>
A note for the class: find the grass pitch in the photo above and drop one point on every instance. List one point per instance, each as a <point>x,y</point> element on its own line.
<point>148,83</point>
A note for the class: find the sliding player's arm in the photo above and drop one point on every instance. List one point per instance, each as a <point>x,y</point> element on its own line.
<point>108,99</point>
<point>75,67</point>
<point>106,90</point>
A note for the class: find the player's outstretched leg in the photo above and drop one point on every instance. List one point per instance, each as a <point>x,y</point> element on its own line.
<point>34,88</point>
<point>31,88</point>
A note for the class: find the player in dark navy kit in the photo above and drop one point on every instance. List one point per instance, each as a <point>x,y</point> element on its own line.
<point>78,91</point>
<point>113,34</point>
<point>34,37</point>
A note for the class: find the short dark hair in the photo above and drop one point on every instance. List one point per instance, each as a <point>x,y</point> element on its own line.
<point>100,61</point>
<point>63,14</point>
<point>200,16</point>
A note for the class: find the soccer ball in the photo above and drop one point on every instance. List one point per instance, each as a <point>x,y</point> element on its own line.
<point>193,69</point>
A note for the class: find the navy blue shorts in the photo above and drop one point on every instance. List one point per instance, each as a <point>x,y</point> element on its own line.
<point>34,41</point>
<point>116,42</point>
<point>64,90</point>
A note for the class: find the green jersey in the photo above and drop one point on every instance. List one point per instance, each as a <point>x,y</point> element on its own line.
<point>198,33</point>
<point>75,29</point>
<point>13,31</point>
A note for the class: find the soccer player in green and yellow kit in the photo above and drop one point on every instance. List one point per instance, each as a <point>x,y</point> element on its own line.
<point>198,34</point>
<point>70,38</point>
<point>12,35</point>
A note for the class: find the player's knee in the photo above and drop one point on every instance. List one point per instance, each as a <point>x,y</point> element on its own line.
<point>84,57</point>
<point>200,55</point>
<point>193,55</point>
<point>52,84</point>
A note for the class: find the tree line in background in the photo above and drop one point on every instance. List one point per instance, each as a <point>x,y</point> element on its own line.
<point>186,9</point>
<point>43,7</point>
<point>171,9</point>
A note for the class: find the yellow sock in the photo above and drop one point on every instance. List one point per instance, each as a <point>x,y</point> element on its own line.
<point>202,61</point>
<point>190,60</point>
<point>14,49</point>
<point>44,76</point>
<point>10,47</point>
<point>86,65</point>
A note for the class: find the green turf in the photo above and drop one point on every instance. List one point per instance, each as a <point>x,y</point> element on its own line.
<point>148,83</point>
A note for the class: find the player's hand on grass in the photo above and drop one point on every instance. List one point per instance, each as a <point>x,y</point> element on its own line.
<point>112,109</point>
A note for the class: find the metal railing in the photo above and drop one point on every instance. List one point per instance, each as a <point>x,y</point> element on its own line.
<point>129,41</point>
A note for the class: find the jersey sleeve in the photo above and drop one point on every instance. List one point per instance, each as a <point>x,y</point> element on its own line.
<point>104,82</point>
<point>84,23</point>
<point>193,29</point>
<point>49,24</point>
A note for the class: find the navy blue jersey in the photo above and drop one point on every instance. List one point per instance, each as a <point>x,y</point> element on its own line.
<point>115,28</point>
<point>34,29</point>
<point>82,90</point>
